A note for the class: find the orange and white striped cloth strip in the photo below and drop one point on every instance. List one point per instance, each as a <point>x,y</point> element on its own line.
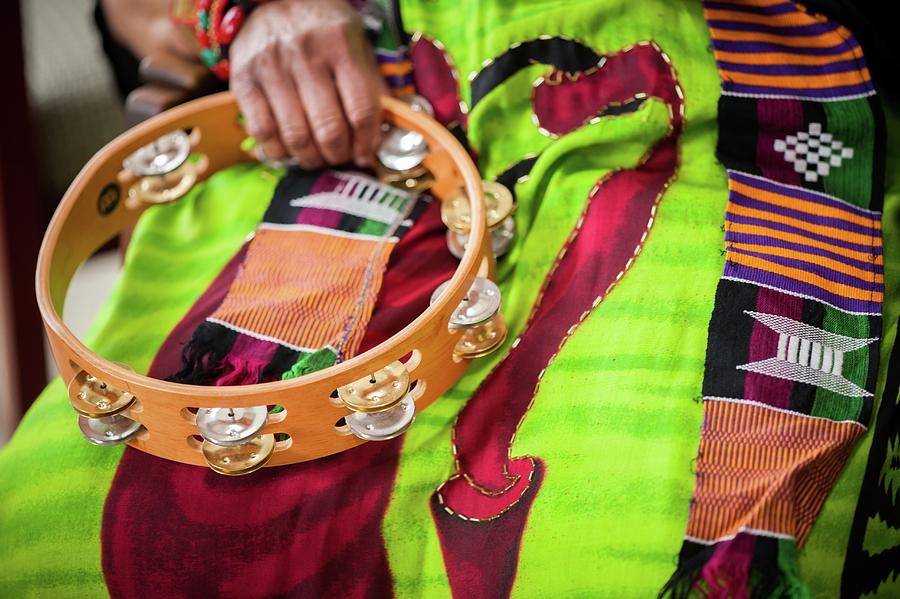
<point>310,302</point>
<point>764,469</point>
<point>772,47</point>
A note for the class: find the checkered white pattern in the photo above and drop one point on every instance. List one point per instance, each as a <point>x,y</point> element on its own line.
<point>813,153</point>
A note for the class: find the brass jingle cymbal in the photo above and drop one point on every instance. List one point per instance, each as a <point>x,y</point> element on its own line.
<point>457,214</point>
<point>418,178</point>
<point>419,184</point>
<point>93,398</point>
<point>377,392</point>
<point>239,459</point>
<point>482,340</point>
<point>388,175</point>
<point>166,188</point>
<point>499,200</point>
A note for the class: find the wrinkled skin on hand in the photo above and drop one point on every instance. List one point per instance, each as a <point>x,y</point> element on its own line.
<point>305,79</point>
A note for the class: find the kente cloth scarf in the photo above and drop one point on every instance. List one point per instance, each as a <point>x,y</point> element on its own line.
<point>309,279</point>
<point>793,349</point>
<point>566,466</point>
<point>307,283</point>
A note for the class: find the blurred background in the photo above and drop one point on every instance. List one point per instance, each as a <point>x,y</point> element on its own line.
<point>59,106</point>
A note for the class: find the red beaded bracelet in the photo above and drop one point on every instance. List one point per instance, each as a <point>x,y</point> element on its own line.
<point>218,21</point>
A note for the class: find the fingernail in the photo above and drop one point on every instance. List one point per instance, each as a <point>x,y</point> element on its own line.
<point>273,149</point>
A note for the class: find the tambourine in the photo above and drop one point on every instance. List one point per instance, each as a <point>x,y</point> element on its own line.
<point>371,397</point>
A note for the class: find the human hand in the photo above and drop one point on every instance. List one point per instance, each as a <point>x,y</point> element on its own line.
<point>305,79</point>
<point>145,28</point>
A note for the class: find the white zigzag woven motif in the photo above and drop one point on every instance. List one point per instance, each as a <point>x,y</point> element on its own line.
<point>808,355</point>
<point>360,196</point>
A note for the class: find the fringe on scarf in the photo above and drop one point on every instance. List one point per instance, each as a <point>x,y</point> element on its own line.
<point>207,359</point>
<point>311,362</point>
<point>202,356</point>
<point>282,361</point>
<point>240,370</point>
<point>745,567</point>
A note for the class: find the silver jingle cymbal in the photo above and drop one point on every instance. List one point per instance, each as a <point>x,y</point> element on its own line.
<point>419,104</point>
<point>228,427</point>
<point>501,239</point>
<point>480,304</point>
<point>112,430</point>
<point>455,243</point>
<point>401,149</point>
<point>159,157</point>
<point>383,426</point>
<point>276,163</point>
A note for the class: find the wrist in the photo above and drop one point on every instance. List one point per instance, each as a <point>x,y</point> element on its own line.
<point>217,24</point>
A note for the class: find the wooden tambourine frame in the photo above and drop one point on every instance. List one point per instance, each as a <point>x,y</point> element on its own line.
<point>94,210</point>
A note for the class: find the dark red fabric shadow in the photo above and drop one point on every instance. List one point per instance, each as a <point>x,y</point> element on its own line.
<point>436,79</point>
<point>481,511</point>
<point>306,530</point>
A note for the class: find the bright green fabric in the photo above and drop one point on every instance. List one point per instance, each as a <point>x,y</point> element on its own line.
<point>855,126</point>
<point>311,362</point>
<point>793,586</point>
<point>52,482</point>
<point>835,406</point>
<point>821,560</point>
<point>623,387</point>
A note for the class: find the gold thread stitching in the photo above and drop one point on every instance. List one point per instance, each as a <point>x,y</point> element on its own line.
<point>637,250</point>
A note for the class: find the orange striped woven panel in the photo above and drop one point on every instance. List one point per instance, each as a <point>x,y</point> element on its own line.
<point>309,301</point>
<point>764,471</point>
<point>778,48</point>
<point>804,243</point>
